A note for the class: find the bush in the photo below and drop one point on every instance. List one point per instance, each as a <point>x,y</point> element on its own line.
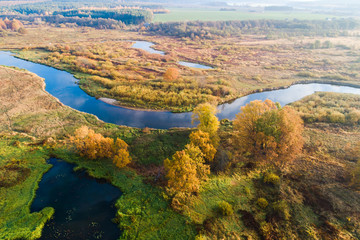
<point>262,202</point>
<point>281,209</point>
<point>225,208</point>
<point>336,117</point>
<point>271,178</point>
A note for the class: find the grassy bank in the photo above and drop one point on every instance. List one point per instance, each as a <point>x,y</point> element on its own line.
<point>21,169</point>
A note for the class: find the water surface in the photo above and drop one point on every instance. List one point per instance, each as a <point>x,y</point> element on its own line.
<point>83,205</point>
<point>147,46</point>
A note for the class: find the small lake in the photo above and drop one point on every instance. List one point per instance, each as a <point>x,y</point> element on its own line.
<point>63,86</point>
<point>147,46</point>
<point>84,207</point>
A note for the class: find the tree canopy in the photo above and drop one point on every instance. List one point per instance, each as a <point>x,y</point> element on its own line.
<point>208,122</point>
<point>266,132</point>
<point>95,146</point>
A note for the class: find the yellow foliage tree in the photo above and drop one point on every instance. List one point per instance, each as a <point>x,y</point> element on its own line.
<point>181,173</point>
<point>186,170</point>
<point>122,156</point>
<point>208,122</point>
<point>171,74</point>
<point>203,142</point>
<point>95,146</point>
<point>266,132</point>
<point>92,145</point>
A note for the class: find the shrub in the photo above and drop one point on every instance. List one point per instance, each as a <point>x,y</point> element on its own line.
<point>262,203</point>
<point>353,116</point>
<point>225,208</point>
<point>336,117</point>
<point>271,178</point>
<point>171,74</point>
<point>281,209</point>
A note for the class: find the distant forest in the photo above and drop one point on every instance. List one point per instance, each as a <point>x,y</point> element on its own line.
<point>213,29</point>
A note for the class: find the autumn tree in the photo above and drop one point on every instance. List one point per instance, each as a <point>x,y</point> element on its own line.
<point>171,74</point>
<point>95,146</point>
<point>121,154</point>
<point>208,122</point>
<point>185,172</point>
<point>15,25</point>
<point>265,132</point>
<point>2,24</point>
<point>203,142</point>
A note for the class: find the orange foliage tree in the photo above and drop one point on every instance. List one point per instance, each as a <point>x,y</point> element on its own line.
<point>95,146</point>
<point>265,132</point>
<point>171,74</point>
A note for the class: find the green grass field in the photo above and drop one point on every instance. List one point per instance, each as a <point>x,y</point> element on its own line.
<point>185,14</point>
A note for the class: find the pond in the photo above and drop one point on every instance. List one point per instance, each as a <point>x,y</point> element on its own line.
<point>63,86</point>
<point>147,46</point>
<point>84,206</point>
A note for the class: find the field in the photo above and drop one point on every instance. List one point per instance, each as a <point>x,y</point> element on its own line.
<point>208,14</point>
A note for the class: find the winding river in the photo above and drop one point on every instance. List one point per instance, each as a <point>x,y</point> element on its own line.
<point>63,86</point>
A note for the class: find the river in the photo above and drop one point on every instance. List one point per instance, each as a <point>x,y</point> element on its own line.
<point>63,86</point>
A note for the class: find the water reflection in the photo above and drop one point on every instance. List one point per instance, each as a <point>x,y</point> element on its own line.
<point>83,205</point>
<point>146,46</point>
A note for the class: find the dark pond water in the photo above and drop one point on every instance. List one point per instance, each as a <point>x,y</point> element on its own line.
<point>146,46</point>
<point>83,206</point>
<point>63,86</point>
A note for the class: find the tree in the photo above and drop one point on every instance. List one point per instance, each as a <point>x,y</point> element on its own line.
<point>203,142</point>
<point>95,146</point>
<point>208,122</point>
<point>185,172</point>
<point>171,74</point>
<point>122,156</point>
<point>92,145</point>
<point>15,25</point>
<point>266,132</point>
<point>2,24</point>
<point>181,173</point>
